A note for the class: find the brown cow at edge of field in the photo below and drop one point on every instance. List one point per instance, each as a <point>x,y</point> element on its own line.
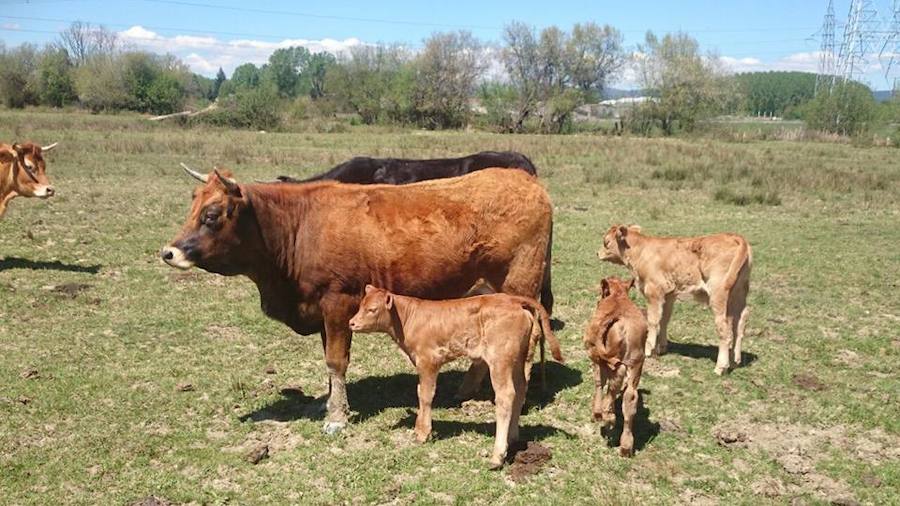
<point>715,269</point>
<point>499,329</point>
<point>312,248</point>
<point>614,341</point>
<point>23,173</point>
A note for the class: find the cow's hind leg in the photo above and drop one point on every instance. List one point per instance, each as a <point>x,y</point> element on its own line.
<point>724,327</point>
<point>629,408</point>
<point>472,380</point>
<point>504,401</point>
<point>738,312</point>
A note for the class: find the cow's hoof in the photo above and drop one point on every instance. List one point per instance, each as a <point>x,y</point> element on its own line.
<point>721,371</point>
<point>495,463</point>
<point>626,452</point>
<point>332,428</point>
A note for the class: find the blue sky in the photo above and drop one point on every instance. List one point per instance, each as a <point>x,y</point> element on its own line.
<point>206,34</point>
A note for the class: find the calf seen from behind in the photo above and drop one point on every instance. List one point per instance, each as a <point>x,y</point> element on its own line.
<point>500,330</point>
<point>614,341</point>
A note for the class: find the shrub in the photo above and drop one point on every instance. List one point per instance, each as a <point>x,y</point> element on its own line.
<point>727,195</point>
<point>256,108</point>
<point>848,110</point>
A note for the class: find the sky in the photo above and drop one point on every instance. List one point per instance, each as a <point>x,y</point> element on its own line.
<point>208,34</point>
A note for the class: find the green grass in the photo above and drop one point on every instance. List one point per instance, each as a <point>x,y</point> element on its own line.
<point>106,425</point>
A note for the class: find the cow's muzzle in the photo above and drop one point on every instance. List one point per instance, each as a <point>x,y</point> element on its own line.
<point>176,258</point>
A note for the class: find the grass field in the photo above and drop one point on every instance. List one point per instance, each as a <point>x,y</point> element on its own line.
<point>98,338</point>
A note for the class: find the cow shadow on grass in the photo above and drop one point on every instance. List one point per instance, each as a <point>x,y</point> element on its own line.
<point>446,429</point>
<point>644,429</point>
<point>372,395</point>
<point>707,351</point>
<point>40,265</point>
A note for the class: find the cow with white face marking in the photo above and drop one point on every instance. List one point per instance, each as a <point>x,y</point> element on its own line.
<point>23,173</point>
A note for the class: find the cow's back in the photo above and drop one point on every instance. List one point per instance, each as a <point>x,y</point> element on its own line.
<point>433,239</point>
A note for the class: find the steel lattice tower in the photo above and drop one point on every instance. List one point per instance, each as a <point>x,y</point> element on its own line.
<point>826,51</point>
<point>860,36</point>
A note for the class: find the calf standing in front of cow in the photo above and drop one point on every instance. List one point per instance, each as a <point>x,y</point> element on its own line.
<point>614,341</point>
<point>499,329</point>
<point>714,269</point>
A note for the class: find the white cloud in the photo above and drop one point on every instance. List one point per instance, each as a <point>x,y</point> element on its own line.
<point>10,26</point>
<point>205,55</point>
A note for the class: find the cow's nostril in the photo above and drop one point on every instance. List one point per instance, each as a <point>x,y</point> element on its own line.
<point>167,254</point>
<point>50,191</point>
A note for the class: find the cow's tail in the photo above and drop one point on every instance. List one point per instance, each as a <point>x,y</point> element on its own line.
<point>744,257</point>
<point>546,285</point>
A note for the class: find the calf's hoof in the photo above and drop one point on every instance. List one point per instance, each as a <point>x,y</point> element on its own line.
<point>721,371</point>
<point>496,462</point>
<point>332,428</point>
<point>626,452</point>
<point>422,437</point>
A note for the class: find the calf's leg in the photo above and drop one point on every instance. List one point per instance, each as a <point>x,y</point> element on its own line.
<point>662,340</point>
<point>629,408</point>
<point>472,380</point>
<point>655,302</point>
<point>520,384</point>
<point>504,399</point>
<point>724,327</point>
<point>427,379</point>
<point>608,401</point>
<point>738,311</point>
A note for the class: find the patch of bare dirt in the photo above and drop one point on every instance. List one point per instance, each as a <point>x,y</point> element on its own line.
<point>656,368</point>
<point>693,497</point>
<point>225,332</point>
<point>798,448</point>
<point>151,500</point>
<point>848,358</point>
<point>184,387</point>
<point>68,290</point>
<point>477,408</point>
<point>670,425</point>
<point>809,382</point>
<point>529,461</point>
<point>184,277</point>
<point>257,454</point>
<point>30,373</point>
<point>274,436</point>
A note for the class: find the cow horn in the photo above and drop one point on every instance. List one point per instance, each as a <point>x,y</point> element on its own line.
<point>194,174</point>
<point>48,148</point>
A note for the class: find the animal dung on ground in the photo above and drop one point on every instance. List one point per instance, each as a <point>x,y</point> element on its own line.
<point>184,387</point>
<point>258,454</point>
<point>529,461</point>
<point>30,373</point>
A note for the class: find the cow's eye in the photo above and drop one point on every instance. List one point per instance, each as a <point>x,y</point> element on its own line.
<point>210,218</point>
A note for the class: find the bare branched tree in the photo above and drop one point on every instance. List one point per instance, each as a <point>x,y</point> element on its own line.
<point>83,41</point>
<point>447,72</point>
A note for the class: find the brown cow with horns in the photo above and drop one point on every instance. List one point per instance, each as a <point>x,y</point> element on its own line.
<point>312,248</point>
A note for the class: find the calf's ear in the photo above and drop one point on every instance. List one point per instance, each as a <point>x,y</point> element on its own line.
<point>389,301</point>
<point>622,235</point>
<point>604,288</point>
<point>369,289</point>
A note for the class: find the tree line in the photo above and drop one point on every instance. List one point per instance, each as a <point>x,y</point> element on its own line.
<point>533,81</point>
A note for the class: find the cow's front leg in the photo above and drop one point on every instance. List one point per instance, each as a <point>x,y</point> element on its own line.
<point>5,202</point>
<point>655,303</point>
<point>337,359</point>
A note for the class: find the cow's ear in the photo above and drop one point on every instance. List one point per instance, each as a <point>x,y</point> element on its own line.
<point>604,288</point>
<point>622,235</point>
<point>18,148</point>
<point>9,155</point>
<point>389,301</point>
<point>369,289</point>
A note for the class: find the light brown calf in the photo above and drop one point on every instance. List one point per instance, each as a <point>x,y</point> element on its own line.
<point>715,269</point>
<point>498,329</point>
<point>614,341</point>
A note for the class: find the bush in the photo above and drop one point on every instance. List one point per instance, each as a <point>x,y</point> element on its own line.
<point>255,108</point>
<point>727,195</point>
<point>848,110</point>
<point>100,85</point>
<point>57,87</point>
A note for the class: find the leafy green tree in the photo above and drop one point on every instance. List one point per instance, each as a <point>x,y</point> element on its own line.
<point>245,76</point>
<point>100,84</point>
<point>776,93</point>
<point>849,109</point>
<point>375,82</point>
<point>687,86</point>
<point>317,69</point>
<point>217,83</point>
<point>18,78</point>
<point>447,72</point>
<point>56,85</point>
<point>285,68</point>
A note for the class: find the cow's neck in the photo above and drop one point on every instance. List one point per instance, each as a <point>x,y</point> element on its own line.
<point>279,219</point>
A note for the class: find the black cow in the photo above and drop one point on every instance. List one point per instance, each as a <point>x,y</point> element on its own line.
<point>365,170</point>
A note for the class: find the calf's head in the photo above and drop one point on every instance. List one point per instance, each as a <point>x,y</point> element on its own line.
<point>613,286</point>
<point>219,233</point>
<point>374,313</point>
<point>29,171</point>
<point>615,243</point>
